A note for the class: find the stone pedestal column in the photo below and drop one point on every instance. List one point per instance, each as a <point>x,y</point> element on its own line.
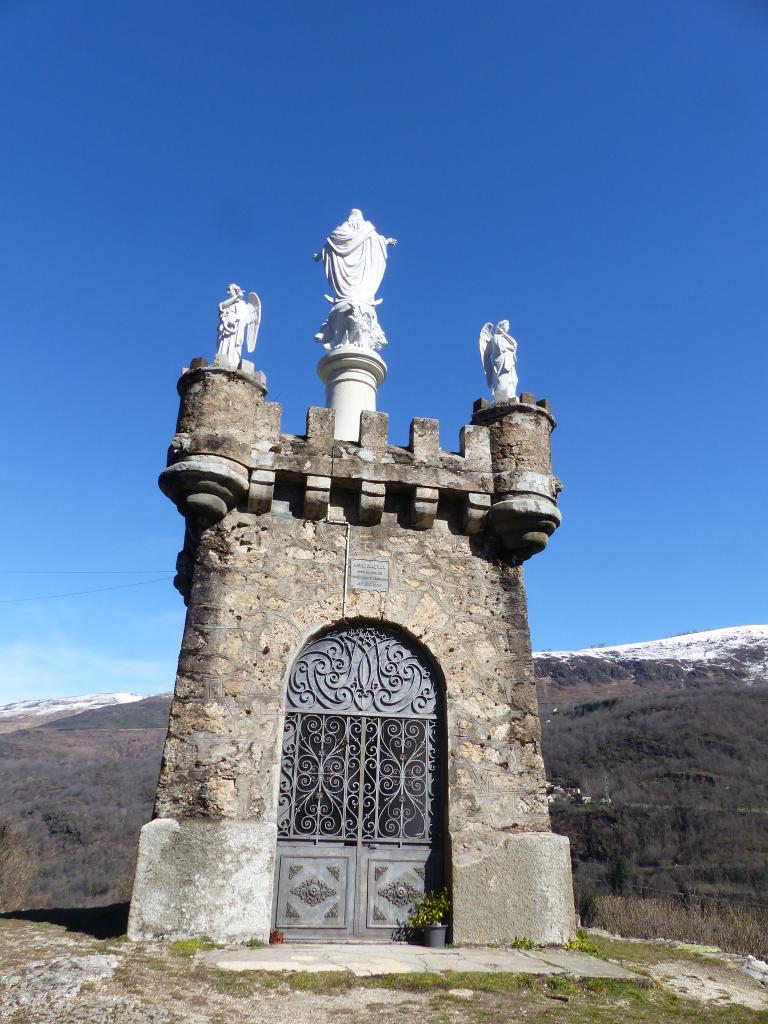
<point>351,377</point>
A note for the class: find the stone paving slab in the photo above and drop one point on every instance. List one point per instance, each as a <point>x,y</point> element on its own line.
<point>366,960</point>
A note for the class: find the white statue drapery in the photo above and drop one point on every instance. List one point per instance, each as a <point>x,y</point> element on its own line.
<point>354,258</point>
<point>498,351</point>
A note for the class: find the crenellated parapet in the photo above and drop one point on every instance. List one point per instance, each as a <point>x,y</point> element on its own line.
<point>229,452</point>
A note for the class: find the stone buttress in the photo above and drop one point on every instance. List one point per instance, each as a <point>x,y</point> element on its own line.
<point>272,523</point>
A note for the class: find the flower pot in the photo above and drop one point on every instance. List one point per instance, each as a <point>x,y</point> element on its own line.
<point>434,935</point>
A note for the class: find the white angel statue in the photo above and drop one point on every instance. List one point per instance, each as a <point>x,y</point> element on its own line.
<point>498,351</point>
<point>238,322</point>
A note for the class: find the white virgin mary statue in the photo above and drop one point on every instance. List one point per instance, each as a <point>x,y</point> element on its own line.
<point>354,257</point>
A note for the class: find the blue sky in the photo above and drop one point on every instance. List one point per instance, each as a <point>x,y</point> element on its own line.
<point>595,172</point>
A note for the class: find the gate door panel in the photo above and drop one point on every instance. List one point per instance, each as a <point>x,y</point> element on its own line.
<point>315,888</point>
<point>393,878</point>
<point>358,786</point>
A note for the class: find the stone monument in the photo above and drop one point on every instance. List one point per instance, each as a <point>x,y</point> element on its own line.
<point>354,717</point>
<point>354,257</point>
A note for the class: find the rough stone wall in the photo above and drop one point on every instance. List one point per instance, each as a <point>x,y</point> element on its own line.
<point>520,444</point>
<point>272,520</point>
<point>264,584</point>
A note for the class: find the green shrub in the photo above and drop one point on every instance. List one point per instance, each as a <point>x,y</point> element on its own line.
<point>582,945</point>
<point>432,908</point>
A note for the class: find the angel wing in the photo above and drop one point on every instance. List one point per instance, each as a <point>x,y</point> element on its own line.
<point>252,320</point>
<point>485,352</point>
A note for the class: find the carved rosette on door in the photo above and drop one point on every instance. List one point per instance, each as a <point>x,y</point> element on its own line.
<point>360,812</point>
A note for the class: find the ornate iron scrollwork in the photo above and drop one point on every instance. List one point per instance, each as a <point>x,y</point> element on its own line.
<point>321,776</point>
<point>359,746</point>
<point>367,669</point>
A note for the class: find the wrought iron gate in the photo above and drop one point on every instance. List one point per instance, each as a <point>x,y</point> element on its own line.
<point>359,813</point>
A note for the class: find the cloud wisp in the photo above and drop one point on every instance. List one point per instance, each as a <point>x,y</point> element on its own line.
<point>39,671</point>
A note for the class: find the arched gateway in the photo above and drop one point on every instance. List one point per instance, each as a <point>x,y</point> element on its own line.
<point>360,811</point>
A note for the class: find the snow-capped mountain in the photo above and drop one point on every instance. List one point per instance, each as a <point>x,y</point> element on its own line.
<point>735,656</point>
<point>27,714</point>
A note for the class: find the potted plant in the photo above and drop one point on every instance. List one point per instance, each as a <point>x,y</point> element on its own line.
<point>430,915</point>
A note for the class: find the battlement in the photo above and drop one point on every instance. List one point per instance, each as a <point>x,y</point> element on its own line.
<point>229,451</point>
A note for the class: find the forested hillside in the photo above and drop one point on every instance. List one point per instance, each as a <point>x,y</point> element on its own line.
<point>673,746</point>
<point>82,787</point>
<point>685,774</point>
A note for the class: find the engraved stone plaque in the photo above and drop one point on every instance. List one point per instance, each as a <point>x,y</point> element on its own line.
<point>369,573</point>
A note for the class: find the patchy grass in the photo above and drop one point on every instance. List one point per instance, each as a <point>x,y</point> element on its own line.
<point>608,1001</point>
<point>115,945</point>
<point>323,981</point>
<point>627,952</point>
<point>478,981</point>
<point>557,999</point>
<point>520,943</point>
<point>241,986</point>
<point>188,947</point>
<point>255,944</point>
<point>561,984</point>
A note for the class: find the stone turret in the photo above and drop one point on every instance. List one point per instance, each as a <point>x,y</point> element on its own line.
<point>299,548</point>
<point>524,513</point>
<point>215,445</point>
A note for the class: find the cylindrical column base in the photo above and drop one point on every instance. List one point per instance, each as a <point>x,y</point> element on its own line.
<point>351,377</point>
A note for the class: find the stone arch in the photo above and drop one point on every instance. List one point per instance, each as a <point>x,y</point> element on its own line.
<point>363,774</point>
<point>418,643</point>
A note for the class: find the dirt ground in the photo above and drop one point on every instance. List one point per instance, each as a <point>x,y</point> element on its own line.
<point>52,975</point>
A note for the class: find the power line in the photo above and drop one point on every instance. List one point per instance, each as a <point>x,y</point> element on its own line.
<point>80,593</point>
<point>83,572</point>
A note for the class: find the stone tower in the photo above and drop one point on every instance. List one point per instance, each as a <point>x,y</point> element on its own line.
<point>354,719</point>
<point>354,716</point>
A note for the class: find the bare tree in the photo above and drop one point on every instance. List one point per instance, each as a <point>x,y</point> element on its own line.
<point>15,866</point>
